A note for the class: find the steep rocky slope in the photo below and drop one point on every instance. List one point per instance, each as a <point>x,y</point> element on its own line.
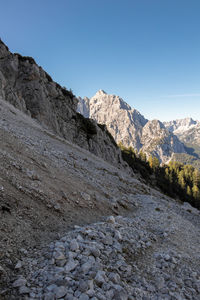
<point>50,188</point>
<point>74,226</point>
<point>47,185</point>
<point>29,88</point>
<point>128,126</point>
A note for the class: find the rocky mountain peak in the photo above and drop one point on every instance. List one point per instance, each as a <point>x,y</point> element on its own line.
<point>100,93</point>
<point>154,125</point>
<point>128,126</point>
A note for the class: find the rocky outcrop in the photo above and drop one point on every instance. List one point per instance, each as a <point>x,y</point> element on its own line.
<point>128,126</point>
<point>158,141</point>
<point>29,88</point>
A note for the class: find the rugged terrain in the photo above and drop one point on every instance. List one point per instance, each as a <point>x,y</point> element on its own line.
<point>48,185</point>
<point>188,131</point>
<point>75,225</point>
<point>29,88</point>
<point>128,126</point>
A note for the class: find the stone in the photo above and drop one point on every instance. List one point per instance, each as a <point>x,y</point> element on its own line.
<point>118,235</point>
<point>59,255</point>
<point>24,290</point>
<point>19,282</point>
<point>2,271</point>
<point>74,246</point>
<point>95,252</point>
<point>18,265</point>
<point>86,267</point>
<point>111,220</point>
<point>100,278</point>
<point>120,295</point>
<point>114,277</point>
<point>51,287</point>
<point>49,296</point>
<point>60,291</point>
<point>71,265</point>
<point>84,297</point>
<point>86,196</point>
<point>83,286</point>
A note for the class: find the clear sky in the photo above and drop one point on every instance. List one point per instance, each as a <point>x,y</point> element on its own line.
<point>146,51</point>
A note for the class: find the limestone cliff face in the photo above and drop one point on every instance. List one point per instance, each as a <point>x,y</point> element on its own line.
<point>159,142</point>
<point>29,88</point>
<point>187,130</point>
<point>128,126</point>
<point>125,124</point>
<point>181,125</point>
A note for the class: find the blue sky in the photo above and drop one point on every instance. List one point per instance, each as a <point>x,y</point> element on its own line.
<point>146,51</point>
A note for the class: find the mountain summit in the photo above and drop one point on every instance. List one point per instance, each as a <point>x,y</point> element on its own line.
<point>128,126</point>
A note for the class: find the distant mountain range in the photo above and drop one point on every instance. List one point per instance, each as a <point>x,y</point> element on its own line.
<point>174,140</point>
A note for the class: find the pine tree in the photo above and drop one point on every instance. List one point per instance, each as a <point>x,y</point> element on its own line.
<point>181,180</point>
<point>142,156</point>
<point>150,161</point>
<point>196,177</point>
<point>189,192</point>
<point>195,192</point>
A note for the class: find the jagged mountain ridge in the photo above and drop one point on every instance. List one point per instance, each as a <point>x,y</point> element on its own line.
<point>128,126</point>
<point>29,88</point>
<point>188,130</point>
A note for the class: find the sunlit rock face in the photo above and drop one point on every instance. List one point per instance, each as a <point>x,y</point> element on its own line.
<point>128,126</point>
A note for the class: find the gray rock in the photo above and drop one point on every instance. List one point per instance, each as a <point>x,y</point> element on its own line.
<point>86,267</point>
<point>51,287</point>
<point>58,255</point>
<point>49,296</point>
<point>18,265</point>
<point>71,265</point>
<point>74,246</point>
<point>111,220</point>
<point>24,290</point>
<point>19,282</point>
<point>100,278</point>
<point>60,291</point>
<point>114,277</point>
<point>120,295</point>
<point>84,297</point>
